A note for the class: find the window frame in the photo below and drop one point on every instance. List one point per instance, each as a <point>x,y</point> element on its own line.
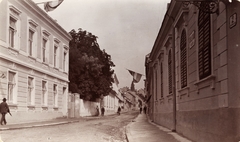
<point>44,95</point>
<point>14,14</point>
<point>161,78</point>
<point>55,95</point>
<point>210,46</point>
<point>11,97</point>
<point>45,36</point>
<point>183,54</point>
<point>44,48</point>
<point>30,42</point>
<point>31,97</point>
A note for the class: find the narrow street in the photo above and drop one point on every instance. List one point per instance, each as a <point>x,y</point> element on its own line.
<point>102,129</point>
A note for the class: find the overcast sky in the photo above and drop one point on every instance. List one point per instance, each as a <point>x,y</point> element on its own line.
<point>126,29</point>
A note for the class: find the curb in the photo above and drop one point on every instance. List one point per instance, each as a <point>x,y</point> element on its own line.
<point>168,131</point>
<point>39,125</point>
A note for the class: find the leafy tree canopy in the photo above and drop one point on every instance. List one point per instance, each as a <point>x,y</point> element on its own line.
<point>90,68</point>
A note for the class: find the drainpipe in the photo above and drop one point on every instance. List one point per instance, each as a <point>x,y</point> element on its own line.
<point>173,75</point>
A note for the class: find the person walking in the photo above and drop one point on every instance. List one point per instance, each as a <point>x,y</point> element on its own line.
<point>102,110</point>
<point>119,110</point>
<point>97,111</point>
<point>140,110</point>
<point>145,109</point>
<point>4,109</point>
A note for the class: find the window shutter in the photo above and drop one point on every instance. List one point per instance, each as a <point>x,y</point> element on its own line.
<point>170,72</point>
<point>183,58</point>
<point>204,52</point>
<point>161,80</point>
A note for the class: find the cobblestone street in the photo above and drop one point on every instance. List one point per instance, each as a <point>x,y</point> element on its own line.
<point>103,129</point>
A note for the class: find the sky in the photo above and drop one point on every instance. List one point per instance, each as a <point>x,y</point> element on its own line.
<point>126,29</point>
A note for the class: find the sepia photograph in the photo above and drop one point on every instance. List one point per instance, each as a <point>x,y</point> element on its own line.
<point>119,71</point>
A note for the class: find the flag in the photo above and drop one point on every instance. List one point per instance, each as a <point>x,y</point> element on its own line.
<point>51,5</point>
<point>136,76</point>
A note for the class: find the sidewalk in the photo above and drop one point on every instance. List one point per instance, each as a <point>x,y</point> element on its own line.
<point>51,122</point>
<point>57,121</point>
<point>142,130</point>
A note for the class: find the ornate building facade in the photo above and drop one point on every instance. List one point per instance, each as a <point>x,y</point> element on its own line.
<point>192,72</point>
<point>33,62</point>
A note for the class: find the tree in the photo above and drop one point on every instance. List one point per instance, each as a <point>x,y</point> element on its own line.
<point>90,68</point>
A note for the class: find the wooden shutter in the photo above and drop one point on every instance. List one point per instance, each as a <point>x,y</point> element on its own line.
<point>183,58</point>
<point>204,51</point>
<point>161,80</point>
<point>170,72</point>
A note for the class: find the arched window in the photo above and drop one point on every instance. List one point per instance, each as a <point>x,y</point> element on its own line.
<point>183,59</point>
<point>170,71</point>
<point>204,41</point>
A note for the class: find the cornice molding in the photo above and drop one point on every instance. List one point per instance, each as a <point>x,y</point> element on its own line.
<point>51,23</point>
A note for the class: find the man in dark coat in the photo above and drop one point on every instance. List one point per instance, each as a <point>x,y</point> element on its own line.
<point>4,109</point>
<point>102,110</point>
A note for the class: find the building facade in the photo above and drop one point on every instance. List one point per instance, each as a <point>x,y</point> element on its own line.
<point>114,100</point>
<point>33,62</point>
<point>192,72</point>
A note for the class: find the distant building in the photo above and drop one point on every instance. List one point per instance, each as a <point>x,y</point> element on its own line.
<point>193,70</point>
<point>112,101</point>
<point>33,62</point>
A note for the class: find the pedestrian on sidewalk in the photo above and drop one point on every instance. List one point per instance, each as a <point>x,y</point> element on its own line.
<point>102,110</point>
<point>119,110</point>
<point>140,109</point>
<point>4,109</point>
<point>97,111</point>
<point>145,109</point>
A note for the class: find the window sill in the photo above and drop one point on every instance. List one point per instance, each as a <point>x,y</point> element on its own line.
<point>161,100</point>
<point>13,51</point>
<point>31,107</point>
<point>206,82</point>
<point>45,63</point>
<point>169,97</point>
<point>56,68</point>
<point>183,92</point>
<point>55,108</point>
<point>44,107</point>
<point>12,105</point>
<point>31,57</point>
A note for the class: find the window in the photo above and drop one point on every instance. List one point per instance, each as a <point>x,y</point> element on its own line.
<point>55,56</point>
<point>204,41</point>
<point>64,61</point>
<point>44,93</point>
<point>55,95</point>
<point>161,73</point>
<point>170,72</point>
<point>44,44</point>
<point>12,31</point>
<point>156,81</point>
<point>183,59</point>
<point>32,38</point>
<point>30,91</point>
<point>14,26</point>
<point>11,86</point>
<point>30,42</point>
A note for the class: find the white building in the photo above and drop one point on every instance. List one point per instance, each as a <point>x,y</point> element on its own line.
<point>114,99</point>
<point>33,62</point>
